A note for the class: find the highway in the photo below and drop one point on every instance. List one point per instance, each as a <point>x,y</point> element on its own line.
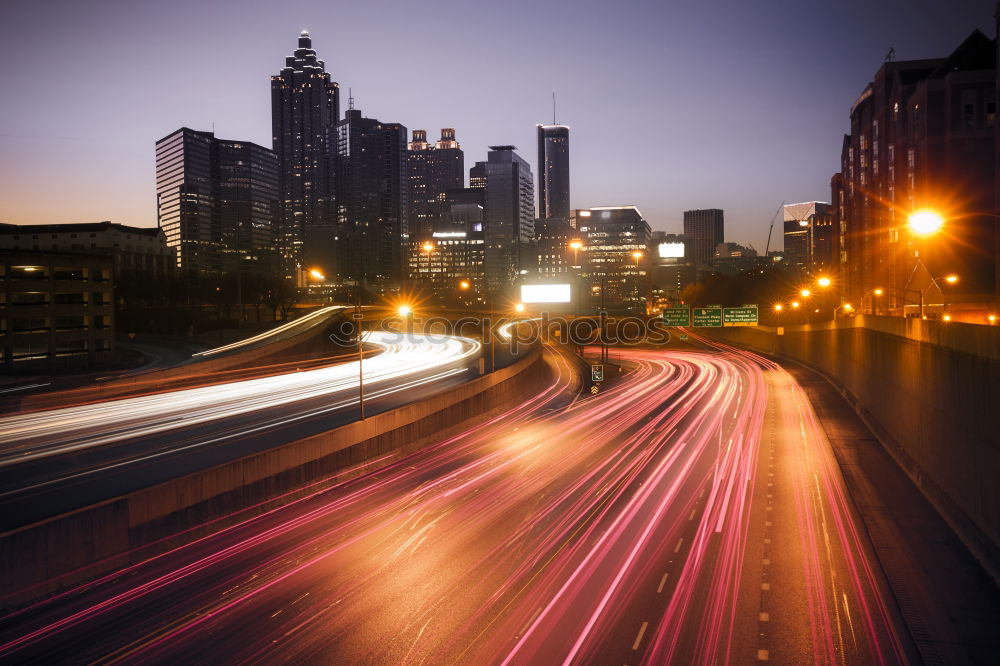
<point>55,460</point>
<point>690,512</point>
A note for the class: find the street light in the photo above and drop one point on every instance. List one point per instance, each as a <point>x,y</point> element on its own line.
<point>778,307</point>
<point>805,293</point>
<point>316,274</point>
<point>795,305</point>
<point>405,311</point>
<point>464,285</point>
<point>925,222</point>
<point>823,282</point>
<point>519,308</point>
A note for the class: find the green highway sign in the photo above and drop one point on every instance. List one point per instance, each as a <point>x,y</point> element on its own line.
<point>707,317</point>
<point>677,316</point>
<point>744,316</point>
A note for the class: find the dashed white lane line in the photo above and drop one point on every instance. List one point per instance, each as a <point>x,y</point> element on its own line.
<point>764,617</point>
<point>638,637</point>
<point>765,586</point>
<point>693,511</point>
<point>663,580</point>
<point>678,546</point>
<point>762,655</point>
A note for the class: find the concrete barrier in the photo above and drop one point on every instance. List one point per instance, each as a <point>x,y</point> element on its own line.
<point>44,558</point>
<point>930,391</point>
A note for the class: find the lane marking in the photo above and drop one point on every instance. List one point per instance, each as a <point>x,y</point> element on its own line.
<point>767,561</point>
<point>663,580</point>
<point>678,546</point>
<point>691,517</point>
<point>762,655</point>
<point>764,617</point>
<point>765,586</point>
<point>638,638</point>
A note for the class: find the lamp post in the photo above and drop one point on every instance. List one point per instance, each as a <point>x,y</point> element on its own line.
<point>576,245</point>
<point>637,255</point>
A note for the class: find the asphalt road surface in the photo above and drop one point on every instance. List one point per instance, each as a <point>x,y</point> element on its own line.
<point>690,513</point>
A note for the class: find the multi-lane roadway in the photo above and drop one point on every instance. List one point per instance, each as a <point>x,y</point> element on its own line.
<point>690,512</point>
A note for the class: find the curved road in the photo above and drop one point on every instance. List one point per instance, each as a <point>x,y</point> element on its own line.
<point>56,460</point>
<point>690,513</point>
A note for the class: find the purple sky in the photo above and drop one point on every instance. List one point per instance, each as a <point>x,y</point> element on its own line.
<point>673,105</point>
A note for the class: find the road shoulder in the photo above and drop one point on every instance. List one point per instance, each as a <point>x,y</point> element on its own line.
<point>950,606</point>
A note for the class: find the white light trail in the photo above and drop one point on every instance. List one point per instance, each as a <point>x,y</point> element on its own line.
<point>41,434</point>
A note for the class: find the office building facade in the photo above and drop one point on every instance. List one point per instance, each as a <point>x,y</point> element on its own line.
<point>553,172</point>
<point>810,238</point>
<point>432,170</point>
<point>372,201</point>
<point>704,229</point>
<point>216,201</point>
<point>305,107</point>
<point>612,235</point>
<point>509,221</point>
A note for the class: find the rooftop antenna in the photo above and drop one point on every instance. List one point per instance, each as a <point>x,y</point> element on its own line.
<point>891,55</point>
<point>553,107</point>
<point>350,99</point>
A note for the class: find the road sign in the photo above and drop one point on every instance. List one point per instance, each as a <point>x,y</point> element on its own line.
<point>594,389</point>
<point>707,317</point>
<point>597,373</point>
<point>683,336</point>
<point>744,316</point>
<point>677,316</point>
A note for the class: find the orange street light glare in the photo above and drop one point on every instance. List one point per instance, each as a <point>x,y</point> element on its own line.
<point>316,275</point>
<point>464,284</point>
<point>637,255</point>
<point>778,307</point>
<point>992,318</point>
<point>405,310</point>
<point>823,282</point>
<point>519,307</point>
<point>848,307</point>
<point>795,304</point>
<point>947,317</point>
<point>805,293</point>
<point>575,245</point>
<point>428,247</point>
<point>925,222</point>
<point>879,292</point>
<point>951,279</point>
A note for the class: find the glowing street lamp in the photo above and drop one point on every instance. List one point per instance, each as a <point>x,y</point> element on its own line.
<point>805,293</point>
<point>951,279</point>
<point>464,285</point>
<point>519,308</point>
<point>795,305</point>
<point>405,311</point>
<point>779,307</point>
<point>824,282</point>
<point>925,222</point>
<point>316,274</point>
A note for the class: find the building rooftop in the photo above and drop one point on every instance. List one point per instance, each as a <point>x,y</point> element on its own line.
<point>76,226</point>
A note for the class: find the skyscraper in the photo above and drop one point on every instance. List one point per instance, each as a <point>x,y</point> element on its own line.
<point>611,236</point>
<point>704,230</point>
<point>809,237</point>
<point>432,170</point>
<point>216,201</point>
<point>509,220</point>
<point>553,172</point>
<point>305,106</point>
<point>371,199</point>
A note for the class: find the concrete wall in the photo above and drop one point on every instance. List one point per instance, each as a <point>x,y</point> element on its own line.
<point>930,391</point>
<point>41,559</point>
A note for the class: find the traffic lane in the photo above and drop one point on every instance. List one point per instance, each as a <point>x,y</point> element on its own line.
<point>100,617</point>
<point>462,567</point>
<point>37,490</point>
<point>539,528</point>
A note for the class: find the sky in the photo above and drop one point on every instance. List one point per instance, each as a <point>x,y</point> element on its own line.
<point>672,105</point>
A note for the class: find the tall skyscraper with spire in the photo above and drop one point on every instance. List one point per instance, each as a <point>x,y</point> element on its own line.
<point>553,169</point>
<point>305,107</point>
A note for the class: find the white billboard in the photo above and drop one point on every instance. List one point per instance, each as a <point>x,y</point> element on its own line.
<point>545,293</point>
<point>671,250</point>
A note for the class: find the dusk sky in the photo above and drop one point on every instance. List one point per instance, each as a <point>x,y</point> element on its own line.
<point>673,105</point>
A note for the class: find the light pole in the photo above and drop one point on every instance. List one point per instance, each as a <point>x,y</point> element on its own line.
<point>638,289</point>
<point>576,245</point>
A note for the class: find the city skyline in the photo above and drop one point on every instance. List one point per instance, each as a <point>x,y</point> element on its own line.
<point>663,177</point>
